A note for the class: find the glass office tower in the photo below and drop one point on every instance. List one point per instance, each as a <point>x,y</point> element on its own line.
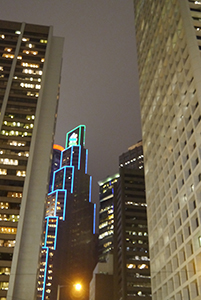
<point>30,66</point>
<point>168,35</point>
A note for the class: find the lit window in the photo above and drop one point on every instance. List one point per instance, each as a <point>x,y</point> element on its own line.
<point>3,172</point>
<point>25,64</point>
<point>30,45</point>
<point>1,68</point>
<point>43,41</point>
<point>21,173</point>
<point>8,49</point>
<point>10,230</point>
<point>17,32</point>
<point>2,36</point>
<point>25,39</point>
<point>7,161</point>
<point>42,60</point>
<point>19,57</point>
<point>7,55</point>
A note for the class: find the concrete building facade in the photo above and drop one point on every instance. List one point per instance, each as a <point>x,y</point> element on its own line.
<point>30,68</point>
<point>168,35</point>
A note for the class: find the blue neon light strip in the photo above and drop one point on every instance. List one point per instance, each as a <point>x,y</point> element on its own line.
<point>56,230</point>
<point>61,159</point>
<point>46,231</point>
<point>79,157</point>
<point>53,181</point>
<point>71,156</point>
<point>64,209</point>
<point>94,220</point>
<point>86,161</point>
<point>90,183</point>
<point>72,180</point>
<point>64,178</point>
<point>45,272</point>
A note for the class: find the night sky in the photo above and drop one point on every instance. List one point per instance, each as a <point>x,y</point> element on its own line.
<point>99,85</point>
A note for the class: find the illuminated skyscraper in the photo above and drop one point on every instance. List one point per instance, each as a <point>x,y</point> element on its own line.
<point>30,67</point>
<point>168,35</point>
<point>106,216</point>
<point>69,253</point>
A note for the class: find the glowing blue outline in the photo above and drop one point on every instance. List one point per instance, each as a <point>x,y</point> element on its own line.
<point>86,161</point>
<point>56,230</point>
<point>55,207</point>
<point>90,183</point>
<point>79,137</point>
<point>113,191</point>
<point>79,157</point>
<point>64,177</point>
<point>64,209</point>
<point>45,272</point>
<point>71,155</point>
<point>72,180</point>
<point>53,180</point>
<point>61,159</point>
<point>46,230</point>
<point>94,221</point>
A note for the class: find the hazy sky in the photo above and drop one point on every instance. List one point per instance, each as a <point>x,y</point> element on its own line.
<point>99,85</point>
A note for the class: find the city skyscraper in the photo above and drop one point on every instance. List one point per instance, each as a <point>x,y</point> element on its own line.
<point>168,35</point>
<point>131,249</point>
<point>30,68</point>
<point>69,251</point>
<point>106,216</point>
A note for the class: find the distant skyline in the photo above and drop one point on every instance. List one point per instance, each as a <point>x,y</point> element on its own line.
<point>99,83</point>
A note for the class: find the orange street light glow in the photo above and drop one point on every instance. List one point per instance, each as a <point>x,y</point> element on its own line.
<point>78,286</point>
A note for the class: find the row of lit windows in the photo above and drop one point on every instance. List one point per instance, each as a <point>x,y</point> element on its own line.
<point>106,209</point>
<point>18,124</point>
<point>15,133</point>
<point>9,218</point>
<point>15,143</point>
<point>7,161</point>
<point>135,204</point>
<point>107,233</point>
<point>34,72</point>
<point>30,65</point>
<point>8,230</point>
<point>137,233</point>
<point>14,195</point>
<point>30,86</point>
<point>106,224</point>
<point>4,286</point>
<point>4,271</point>
<point>133,266</point>
<point>24,39</point>
<point>7,243</point>
<point>27,78</point>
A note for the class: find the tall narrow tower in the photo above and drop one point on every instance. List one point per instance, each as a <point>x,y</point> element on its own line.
<point>168,34</point>
<point>30,67</point>
<point>69,253</point>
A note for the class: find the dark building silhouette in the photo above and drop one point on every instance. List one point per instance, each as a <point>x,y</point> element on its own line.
<point>69,253</point>
<point>131,250</point>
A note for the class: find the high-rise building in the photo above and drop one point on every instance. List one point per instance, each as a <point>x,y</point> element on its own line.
<point>101,285</point>
<point>106,216</point>
<point>30,67</point>
<point>168,35</point>
<point>69,251</point>
<point>132,278</point>
<point>133,158</point>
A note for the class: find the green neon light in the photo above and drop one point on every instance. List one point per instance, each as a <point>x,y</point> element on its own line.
<point>71,139</point>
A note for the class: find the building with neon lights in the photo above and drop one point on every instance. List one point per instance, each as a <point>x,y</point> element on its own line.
<point>168,35</point>
<point>30,70</point>
<point>69,253</point>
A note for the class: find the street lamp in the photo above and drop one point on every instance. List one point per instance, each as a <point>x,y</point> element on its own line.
<point>77,288</point>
